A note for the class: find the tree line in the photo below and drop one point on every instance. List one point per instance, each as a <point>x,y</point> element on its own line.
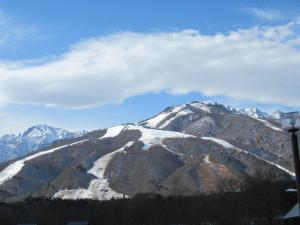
<point>260,201</point>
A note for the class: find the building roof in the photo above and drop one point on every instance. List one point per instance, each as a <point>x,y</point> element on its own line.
<point>81,222</point>
<point>294,212</point>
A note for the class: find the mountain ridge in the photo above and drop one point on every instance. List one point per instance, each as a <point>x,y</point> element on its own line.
<point>184,109</point>
<point>32,139</point>
<point>196,146</point>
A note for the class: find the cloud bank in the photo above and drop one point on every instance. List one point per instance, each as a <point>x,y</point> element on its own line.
<point>260,64</point>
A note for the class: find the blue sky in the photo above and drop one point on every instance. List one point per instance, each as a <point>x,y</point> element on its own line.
<point>94,64</point>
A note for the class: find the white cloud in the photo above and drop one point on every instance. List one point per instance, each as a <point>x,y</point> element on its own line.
<point>259,64</point>
<point>266,14</point>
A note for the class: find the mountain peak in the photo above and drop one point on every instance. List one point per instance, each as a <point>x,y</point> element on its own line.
<point>164,118</point>
<point>33,139</point>
<point>276,115</point>
<point>254,113</point>
<point>40,130</point>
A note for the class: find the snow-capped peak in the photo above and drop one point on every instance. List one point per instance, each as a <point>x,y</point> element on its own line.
<point>202,106</point>
<point>254,113</point>
<point>43,130</point>
<point>276,115</point>
<point>33,139</point>
<point>251,112</point>
<point>162,119</point>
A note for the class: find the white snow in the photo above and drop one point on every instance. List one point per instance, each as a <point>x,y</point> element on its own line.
<point>202,106</point>
<point>253,112</point>
<point>259,116</point>
<point>153,122</point>
<point>113,131</point>
<point>205,106</point>
<point>206,159</point>
<point>12,169</point>
<point>184,112</point>
<point>178,114</point>
<point>177,110</point>
<point>281,167</point>
<point>270,125</point>
<point>166,148</point>
<point>225,144</point>
<point>74,194</point>
<point>99,187</point>
<point>152,137</point>
<point>100,165</point>
<point>276,115</point>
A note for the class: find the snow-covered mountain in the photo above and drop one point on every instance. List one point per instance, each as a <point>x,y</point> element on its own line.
<point>33,139</point>
<point>187,149</point>
<point>276,115</point>
<point>254,113</point>
<point>162,119</point>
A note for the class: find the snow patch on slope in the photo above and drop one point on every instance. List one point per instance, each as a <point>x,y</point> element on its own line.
<point>202,106</point>
<point>113,132</point>
<point>180,113</point>
<point>157,120</point>
<point>151,137</point>
<point>100,165</point>
<point>206,159</point>
<point>98,188</point>
<point>270,125</point>
<point>153,122</point>
<point>221,142</point>
<point>12,169</point>
<point>226,144</point>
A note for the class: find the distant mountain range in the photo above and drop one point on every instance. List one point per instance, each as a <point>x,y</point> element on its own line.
<point>33,139</point>
<point>185,149</point>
